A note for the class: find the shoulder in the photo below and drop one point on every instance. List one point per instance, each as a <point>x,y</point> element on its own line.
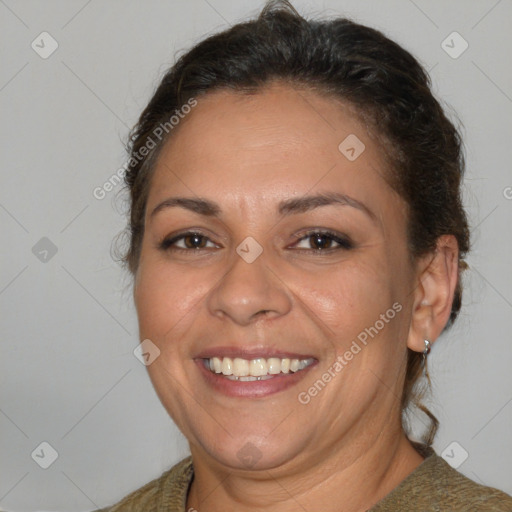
<point>167,492</point>
<point>459,492</point>
<point>435,486</point>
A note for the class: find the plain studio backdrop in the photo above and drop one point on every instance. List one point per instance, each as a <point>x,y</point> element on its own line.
<point>75,75</point>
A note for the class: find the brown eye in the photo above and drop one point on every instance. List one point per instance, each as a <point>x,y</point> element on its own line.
<point>194,241</point>
<point>319,241</point>
<point>187,241</point>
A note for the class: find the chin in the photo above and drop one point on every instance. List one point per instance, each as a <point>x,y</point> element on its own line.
<point>251,452</point>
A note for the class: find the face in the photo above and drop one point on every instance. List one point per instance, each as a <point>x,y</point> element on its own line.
<point>271,253</point>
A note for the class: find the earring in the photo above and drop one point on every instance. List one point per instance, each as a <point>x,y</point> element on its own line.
<point>426,351</point>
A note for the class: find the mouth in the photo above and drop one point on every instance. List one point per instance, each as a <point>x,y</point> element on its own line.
<point>253,376</point>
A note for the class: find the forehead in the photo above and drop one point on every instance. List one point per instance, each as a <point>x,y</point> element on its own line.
<point>278,141</point>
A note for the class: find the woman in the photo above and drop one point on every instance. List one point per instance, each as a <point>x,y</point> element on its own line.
<point>297,238</point>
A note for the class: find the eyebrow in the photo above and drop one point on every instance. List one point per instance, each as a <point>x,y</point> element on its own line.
<point>287,207</point>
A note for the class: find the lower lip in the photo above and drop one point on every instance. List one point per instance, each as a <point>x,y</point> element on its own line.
<point>251,389</point>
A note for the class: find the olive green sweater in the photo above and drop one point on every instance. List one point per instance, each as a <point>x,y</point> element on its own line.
<point>433,486</point>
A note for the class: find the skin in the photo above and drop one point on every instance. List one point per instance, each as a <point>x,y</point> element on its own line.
<point>247,153</point>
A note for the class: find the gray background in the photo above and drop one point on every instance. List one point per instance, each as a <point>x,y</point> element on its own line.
<point>68,374</point>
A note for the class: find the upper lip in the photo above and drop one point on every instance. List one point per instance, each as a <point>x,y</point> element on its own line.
<point>250,353</point>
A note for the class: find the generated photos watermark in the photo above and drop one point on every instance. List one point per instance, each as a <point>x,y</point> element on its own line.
<point>158,134</point>
<point>341,361</point>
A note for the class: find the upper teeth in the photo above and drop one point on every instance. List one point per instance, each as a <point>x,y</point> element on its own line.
<point>258,367</point>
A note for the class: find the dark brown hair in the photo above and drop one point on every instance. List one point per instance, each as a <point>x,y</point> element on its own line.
<point>345,60</point>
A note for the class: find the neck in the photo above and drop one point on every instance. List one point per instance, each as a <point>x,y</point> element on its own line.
<point>349,479</point>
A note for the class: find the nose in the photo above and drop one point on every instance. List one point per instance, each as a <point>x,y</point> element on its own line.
<point>247,291</point>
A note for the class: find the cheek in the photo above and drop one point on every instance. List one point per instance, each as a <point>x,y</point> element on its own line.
<point>358,305</point>
<point>346,298</point>
<point>164,298</point>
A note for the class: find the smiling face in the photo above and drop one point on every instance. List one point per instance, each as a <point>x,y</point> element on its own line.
<point>263,241</point>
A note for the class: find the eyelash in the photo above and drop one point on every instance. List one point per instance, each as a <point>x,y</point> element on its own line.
<point>344,242</point>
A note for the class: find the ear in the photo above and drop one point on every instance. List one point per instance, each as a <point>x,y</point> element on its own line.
<point>435,281</point>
